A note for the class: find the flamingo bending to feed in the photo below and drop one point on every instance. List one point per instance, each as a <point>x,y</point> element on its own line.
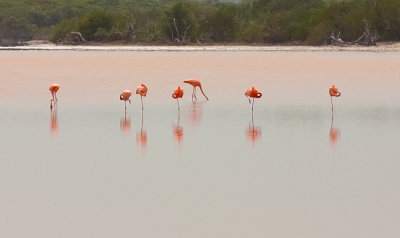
<point>125,95</point>
<point>195,83</point>
<point>178,93</point>
<point>142,91</point>
<point>334,92</point>
<point>252,93</point>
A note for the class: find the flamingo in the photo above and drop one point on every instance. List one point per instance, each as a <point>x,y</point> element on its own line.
<point>333,92</point>
<point>125,95</point>
<point>195,83</point>
<point>252,93</point>
<point>53,90</point>
<point>142,91</point>
<point>178,93</point>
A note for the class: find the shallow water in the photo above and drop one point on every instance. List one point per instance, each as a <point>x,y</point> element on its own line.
<point>212,170</point>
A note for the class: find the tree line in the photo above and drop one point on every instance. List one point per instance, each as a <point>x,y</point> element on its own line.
<point>310,22</point>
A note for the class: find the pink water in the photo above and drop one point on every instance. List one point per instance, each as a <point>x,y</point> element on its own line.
<point>87,170</point>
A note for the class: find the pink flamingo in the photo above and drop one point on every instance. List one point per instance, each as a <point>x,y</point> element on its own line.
<point>178,93</point>
<point>125,95</point>
<point>195,83</point>
<point>53,89</point>
<point>252,93</point>
<point>142,91</point>
<point>334,92</point>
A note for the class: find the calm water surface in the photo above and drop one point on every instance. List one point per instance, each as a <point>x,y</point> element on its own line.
<point>214,170</point>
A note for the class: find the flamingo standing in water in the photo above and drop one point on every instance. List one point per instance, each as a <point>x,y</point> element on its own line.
<point>178,93</point>
<point>53,90</point>
<point>195,83</point>
<point>333,92</point>
<point>125,95</point>
<point>252,93</point>
<point>142,91</point>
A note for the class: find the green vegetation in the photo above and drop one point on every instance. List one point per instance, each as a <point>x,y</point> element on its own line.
<point>185,22</point>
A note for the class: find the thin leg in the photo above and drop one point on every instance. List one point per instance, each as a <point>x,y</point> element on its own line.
<point>141,98</point>
<point>55,95</point>
<point>252,120</point>
<point>141,130</point>
<point>249,99</point>
<point>252,106</point>
<point>194,93</point>
<point>179,109</point>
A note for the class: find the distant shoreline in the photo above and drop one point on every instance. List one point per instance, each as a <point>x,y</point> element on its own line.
<point>380,47</point>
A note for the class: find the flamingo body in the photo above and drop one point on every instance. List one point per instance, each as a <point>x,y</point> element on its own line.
<point>125,95</point>
<point>334,92</point>
<point>141,90</point>
<point>178,93</point>
<point>253,93</point>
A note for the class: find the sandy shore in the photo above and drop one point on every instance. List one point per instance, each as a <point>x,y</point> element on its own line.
<point>381,47</point>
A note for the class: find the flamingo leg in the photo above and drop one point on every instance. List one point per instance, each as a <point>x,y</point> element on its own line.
<point>141,130</point>
<point>141,98</point>
<point>252,120</point>
<point>179,109</point>
<point>249,99</point>
<point>194,93</point>
<point>252,106</point>
<point>332,110</point>
<point>55,95</point>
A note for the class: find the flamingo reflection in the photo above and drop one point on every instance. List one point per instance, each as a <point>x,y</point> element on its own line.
<point>125,125</point>
<point>178,131</point>
<point>53,119</point>
<point>334,134</point>
<point>196,113</point>
<point>253,133</point>
<point>141,136</point>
